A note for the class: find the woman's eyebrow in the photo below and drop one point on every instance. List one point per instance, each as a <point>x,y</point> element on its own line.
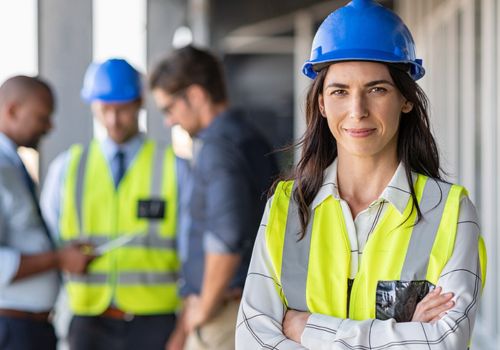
<point>338,85</point>
<point>369,84</point>
<point>378,82</point>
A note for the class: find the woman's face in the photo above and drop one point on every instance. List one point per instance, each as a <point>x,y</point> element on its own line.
<point>363,107</point>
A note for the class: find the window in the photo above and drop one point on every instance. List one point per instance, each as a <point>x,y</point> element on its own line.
<point>19,53</point>
<point>120,31</point>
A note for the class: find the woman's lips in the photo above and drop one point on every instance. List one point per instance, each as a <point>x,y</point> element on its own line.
<point>364,132</point>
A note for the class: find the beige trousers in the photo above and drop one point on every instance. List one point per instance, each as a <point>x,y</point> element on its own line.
<point>218,334</point>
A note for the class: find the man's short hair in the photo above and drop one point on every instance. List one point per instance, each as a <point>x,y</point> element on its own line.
<point>188,66</point>
<point>19,86</point>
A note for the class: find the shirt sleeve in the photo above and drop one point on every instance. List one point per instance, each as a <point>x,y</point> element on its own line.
<point>9,264</point>
<point>261,311</point>
<point>50,196</point>
<point>461,275</point>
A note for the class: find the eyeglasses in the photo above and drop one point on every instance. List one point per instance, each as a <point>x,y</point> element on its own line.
<point>167,109</point>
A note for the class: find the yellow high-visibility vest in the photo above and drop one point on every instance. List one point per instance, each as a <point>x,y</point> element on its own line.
<point>140,277</point>
<point>401,259</point>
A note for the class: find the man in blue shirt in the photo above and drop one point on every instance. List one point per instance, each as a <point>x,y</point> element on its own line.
<point>29,283</point>
<point>223,198</point>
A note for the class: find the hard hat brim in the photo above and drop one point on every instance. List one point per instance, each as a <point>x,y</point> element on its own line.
<point>311,67</point>
<point>90,98</point>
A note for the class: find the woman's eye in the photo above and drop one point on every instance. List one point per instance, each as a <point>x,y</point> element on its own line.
<point>378,89</point>
<point>339,92</point>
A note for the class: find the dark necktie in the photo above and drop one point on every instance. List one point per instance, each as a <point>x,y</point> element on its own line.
<point>32,188</point>
<point>120,166</point>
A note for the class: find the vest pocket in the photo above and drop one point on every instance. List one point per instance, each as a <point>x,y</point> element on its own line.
<point>399,299</point>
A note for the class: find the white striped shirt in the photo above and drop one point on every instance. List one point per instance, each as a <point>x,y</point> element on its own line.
<point>262,311</point>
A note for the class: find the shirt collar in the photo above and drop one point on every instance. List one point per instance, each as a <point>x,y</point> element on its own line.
<point>329,186</point>
<point>397,191</point>
<point>129,148</point>
<point>215,124</point>
<point>9,147</point>
<point>200,138</point>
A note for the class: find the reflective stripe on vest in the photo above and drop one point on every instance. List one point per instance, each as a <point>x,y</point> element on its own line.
<point>314,272</point>
<point>424,233</point>
<point>140,240</point>
<point>140,276</point>
<point>127,278</point>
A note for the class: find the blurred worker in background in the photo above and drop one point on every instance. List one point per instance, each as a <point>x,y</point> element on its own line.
<point>123,187</point>
<point>230,172</point>
<point>29,282</point>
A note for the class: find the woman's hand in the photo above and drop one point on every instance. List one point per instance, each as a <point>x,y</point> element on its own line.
<point>294,323</point>
<point>433,307</point>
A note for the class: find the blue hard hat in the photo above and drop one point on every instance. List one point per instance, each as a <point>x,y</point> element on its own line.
<point>114,80</point>
<point>363,31</point>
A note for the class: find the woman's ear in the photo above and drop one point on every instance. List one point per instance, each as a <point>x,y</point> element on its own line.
<point>321,104</point>
<point>407,107</point>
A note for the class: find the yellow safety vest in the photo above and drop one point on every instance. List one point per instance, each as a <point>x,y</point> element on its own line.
<point>140,277</point>
<point>401,260</point>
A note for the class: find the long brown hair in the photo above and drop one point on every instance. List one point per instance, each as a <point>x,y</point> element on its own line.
<point>416,148</point>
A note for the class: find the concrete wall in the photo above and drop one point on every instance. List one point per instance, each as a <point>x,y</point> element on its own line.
<point>65,50</point>
<point>163,18</point>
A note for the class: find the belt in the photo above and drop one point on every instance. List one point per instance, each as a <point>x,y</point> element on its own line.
<point>26,315</point>
<point>117,314</point>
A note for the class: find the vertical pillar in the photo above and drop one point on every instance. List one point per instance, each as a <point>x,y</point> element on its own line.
<point>489,161</point>
<point>469,176</point>
<point>65,50</point>
<point>163,18</point>
<point>302,47</point>
<point>198,17</point>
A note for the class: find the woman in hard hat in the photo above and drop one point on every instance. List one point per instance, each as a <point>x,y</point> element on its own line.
<point>365,247</point>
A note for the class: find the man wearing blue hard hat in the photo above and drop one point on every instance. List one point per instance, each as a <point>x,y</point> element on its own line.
<point>364,245</point>
<point>119,195</point>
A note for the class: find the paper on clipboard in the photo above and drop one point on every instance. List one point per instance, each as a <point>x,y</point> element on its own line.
<point>113,244</point>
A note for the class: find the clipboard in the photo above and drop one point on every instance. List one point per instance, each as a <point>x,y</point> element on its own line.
<point>113,244</point>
